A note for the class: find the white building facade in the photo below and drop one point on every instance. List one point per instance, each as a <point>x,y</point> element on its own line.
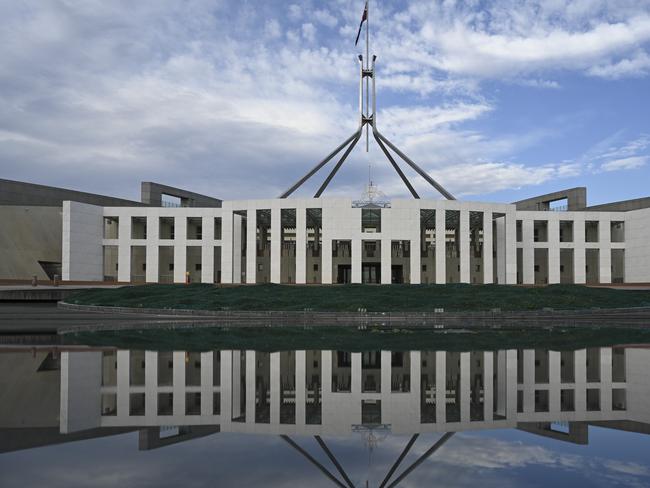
<point>329,392</point>
<point>329,241</point>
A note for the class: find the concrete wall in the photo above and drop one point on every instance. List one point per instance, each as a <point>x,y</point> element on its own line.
<point>82,253</point>
<point>28,235</point>
<point>588,254</point>
<point>28,397</point>
<point>22,193</point>
<point>151,194</point>
<point>637,246</point>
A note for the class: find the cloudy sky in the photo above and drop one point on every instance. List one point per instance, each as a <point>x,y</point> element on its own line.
<point>236,99</point>
<point>490,459</point>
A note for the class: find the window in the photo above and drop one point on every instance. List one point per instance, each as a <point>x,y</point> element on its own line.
<point>138,227</point>
<point>315,267</point>
<point>217,228</point>
<point>591,231</point>
<point>111,227</point>
<point>370,220</point>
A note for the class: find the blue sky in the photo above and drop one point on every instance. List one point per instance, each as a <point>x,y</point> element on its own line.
<point>496,100</point>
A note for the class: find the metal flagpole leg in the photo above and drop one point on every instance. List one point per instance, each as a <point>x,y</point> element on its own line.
<point>323,469</point>
<point>422,458</point>
<point>399,459</point>
<point>338,165</point>
<point>330,455</point>
<point>319,165</point>
<point>397,168</point>
<point>419,170</point>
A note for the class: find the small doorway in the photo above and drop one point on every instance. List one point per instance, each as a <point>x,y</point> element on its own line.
<point>397,274</point>
<point>344,274</point>
<point>371,273</point>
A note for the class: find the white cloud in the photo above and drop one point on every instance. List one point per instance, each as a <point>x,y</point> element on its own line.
<point>272,29</point>
<point>638,65</point>
<point>625,163</point>
<point>309,32</point>
<point>97,96</point>
<point>325,18</point>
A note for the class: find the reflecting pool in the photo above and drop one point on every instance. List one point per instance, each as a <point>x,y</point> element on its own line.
<point>104,416</point>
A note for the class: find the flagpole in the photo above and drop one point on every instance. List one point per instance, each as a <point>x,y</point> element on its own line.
<point>367,67</point>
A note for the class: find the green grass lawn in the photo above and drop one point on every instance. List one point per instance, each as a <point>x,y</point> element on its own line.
<point>373,298</point>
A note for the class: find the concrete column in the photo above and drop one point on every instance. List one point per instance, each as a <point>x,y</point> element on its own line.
<point>529,380</point>
<point>579,256</point>
<point>416,394</point>
<point>236,248</point>
<point>275,388</point>
<point>554,379</point>
<point>386,245</point>
<point>207,254</point>
<point>151,274</point>
<point>501,250</point>
<point>605,258</point>
<point>301,245</point>
<point>511,383</point>
<point>355,371</point>
<point>488,260</point>
<point>207,380</point>
<point>178,382</point>
<point>488,385</point>
<point>441,260</point>
<point>553,251</point>
<point>226,245</point>
<point>250,387</point>
<point>180,262</point>
<point>326,383</point>
<point>276,245</point>
<point>251,246</point>
<point>122,384</point>
<point>356,258</point>
<point>415,260</point>
<point>235,381</point>
<point>326,260</point>
<point>528,262</point>
<point>124,250</point>
<point>226,388</point>
<point>301,395</point>
<point>511,247</point>
<point>386,374</point>
<point>581,380</point>
<point>441,387</point>
<point>464,247</point>
<point>605,379</point>
<point>151,384</point>
<point>465,392</point>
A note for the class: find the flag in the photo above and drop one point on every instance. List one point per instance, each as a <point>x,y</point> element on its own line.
<point>364,17</point>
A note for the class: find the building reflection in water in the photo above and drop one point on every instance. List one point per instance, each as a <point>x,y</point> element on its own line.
<point>52,396</point>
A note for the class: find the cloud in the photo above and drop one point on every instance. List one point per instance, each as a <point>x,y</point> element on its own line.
<point>325,18</point>
<point>98,95</point>
<point>309,32</point>
<point>625,163</point>
<point>636,66</point>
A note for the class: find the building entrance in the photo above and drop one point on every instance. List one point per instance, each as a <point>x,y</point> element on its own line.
<point>397,273</point>
<point>371,273</point>
<point>344,274</point>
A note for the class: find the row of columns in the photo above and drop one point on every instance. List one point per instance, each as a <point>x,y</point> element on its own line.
<point>231,255</point>
<point>553,245</point>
